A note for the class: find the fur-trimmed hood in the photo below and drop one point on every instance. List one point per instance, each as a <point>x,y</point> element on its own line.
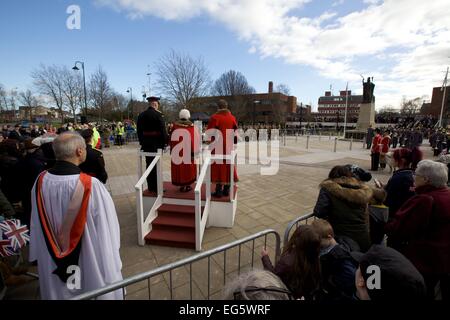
<point>348,189</point>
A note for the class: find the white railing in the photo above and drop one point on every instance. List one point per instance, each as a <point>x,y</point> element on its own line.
<point>144,224</point>
<point>201,217</point>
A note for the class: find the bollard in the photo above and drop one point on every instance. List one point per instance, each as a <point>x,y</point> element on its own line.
<point>296,137</point>
<point>320,135</point>
<point>335,144</point>
<point>307,142</point>
<point>351,143</point>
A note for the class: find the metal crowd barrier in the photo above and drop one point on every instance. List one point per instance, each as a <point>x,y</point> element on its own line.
<point>146,276</point>
<point>293,225</point>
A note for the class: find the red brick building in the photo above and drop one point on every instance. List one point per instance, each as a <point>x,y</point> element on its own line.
<point>264,108</point>
<point>332,108</point>
<point>434,108</point>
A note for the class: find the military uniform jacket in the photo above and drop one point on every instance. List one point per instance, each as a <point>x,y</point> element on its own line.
<point>151,130</point>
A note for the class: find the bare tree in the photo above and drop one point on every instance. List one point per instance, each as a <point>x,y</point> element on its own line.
<point>100,90</point>
<point>3,98</point>
<point>284,89</point>
<point>72,90</point>
<point>411,107</point>
<point>12,101</point>
<point>182,77</point>
<point>48,81</point>
<point>231,83</point>
<point>28,99</point>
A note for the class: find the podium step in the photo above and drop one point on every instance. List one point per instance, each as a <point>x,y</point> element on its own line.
<point>172,238</point>
<point>174,227</point>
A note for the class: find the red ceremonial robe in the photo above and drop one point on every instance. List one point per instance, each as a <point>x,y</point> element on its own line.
<point>184,174</point>
<point>223,120</point>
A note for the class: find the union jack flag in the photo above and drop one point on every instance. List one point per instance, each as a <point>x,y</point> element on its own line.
<point>5,248</point>
<point>15,232</point>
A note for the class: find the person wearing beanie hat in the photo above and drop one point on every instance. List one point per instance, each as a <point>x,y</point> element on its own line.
<point>384,274</point>
<point>185,136</point>
<point>184,115</point>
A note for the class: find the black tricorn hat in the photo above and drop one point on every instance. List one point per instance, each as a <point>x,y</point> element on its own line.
<point>153,99</point>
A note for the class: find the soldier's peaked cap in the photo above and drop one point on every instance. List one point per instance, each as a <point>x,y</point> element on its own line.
<point>153,99</point>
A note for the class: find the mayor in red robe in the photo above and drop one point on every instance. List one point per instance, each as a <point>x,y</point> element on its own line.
<point>223,120</point>
<point>183,167</point>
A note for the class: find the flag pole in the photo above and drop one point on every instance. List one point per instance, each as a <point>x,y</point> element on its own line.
<point>444,87</point>
<point>346,107</point>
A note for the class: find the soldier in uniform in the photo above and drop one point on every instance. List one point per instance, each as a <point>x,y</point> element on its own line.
<point>152,135</point>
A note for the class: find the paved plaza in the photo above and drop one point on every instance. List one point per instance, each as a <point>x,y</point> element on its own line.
<point>264,202</point>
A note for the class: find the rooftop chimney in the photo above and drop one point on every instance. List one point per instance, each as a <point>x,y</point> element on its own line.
<point>270,87</point>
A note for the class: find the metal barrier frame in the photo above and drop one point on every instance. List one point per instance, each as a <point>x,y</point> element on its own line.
<point>295,223</point>
<point>188,261</point>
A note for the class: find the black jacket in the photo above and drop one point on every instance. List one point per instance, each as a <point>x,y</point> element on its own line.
<point>26,172</point>
<point>151,130</point>
<point>94,164</point>
<point>338,270</point>
<point>16,136</point>
<point>399,190</point>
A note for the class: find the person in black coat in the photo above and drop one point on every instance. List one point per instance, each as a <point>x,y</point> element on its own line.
<point>94,165</point>
<point>400,186</point>
<point>16,134</point>
<point>26,171</point>
<point>152,135</point>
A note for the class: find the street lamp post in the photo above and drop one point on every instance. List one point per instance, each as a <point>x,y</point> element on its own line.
<point>84,85</point>
<point>130,91</point>
<point>301,114</point>
<point>346,107</point>
<point>149,74</point>
<point>254,112</point>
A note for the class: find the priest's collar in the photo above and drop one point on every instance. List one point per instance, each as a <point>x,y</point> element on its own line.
<point>64,168</point>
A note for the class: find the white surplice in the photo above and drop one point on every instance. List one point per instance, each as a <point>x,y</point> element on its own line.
<point>99,260</point>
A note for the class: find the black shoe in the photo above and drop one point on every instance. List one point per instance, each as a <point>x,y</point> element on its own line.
<point>218,192</point>
<point>226,191</point>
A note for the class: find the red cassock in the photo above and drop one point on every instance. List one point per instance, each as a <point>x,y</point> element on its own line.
<point>223,120</point>
<point>184,174</point>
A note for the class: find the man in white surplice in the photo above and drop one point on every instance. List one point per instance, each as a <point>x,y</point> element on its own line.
<point>73,223</point>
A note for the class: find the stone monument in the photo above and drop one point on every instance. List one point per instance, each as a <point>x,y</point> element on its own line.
<point>366,112</point>
<point>367,109</point>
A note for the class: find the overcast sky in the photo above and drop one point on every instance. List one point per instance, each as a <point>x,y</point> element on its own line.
<point>306,44</point>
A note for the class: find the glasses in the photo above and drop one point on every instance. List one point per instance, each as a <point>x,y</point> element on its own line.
<point>238,294</point>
